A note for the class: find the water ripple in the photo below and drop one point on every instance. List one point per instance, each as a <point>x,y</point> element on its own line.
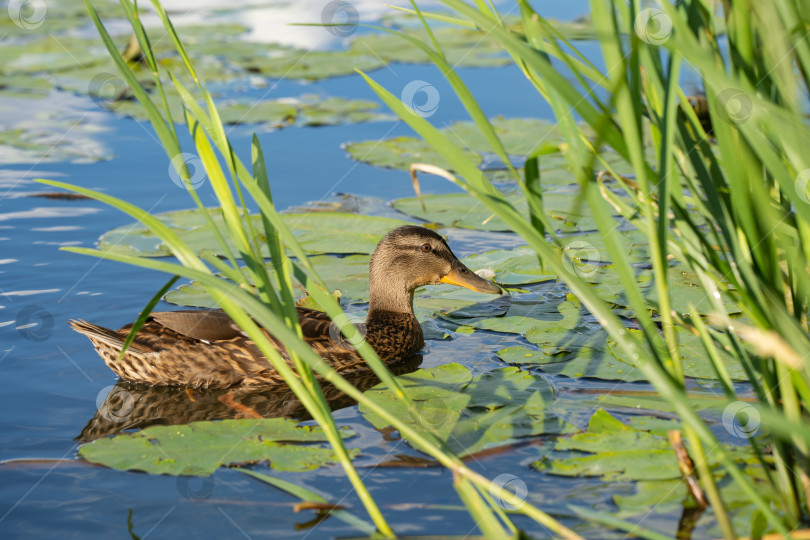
<point>49,212</point>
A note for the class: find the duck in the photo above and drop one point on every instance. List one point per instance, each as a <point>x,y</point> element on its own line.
<point>206,349</point>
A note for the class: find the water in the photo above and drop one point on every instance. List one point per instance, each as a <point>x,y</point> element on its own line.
<point>53,382</point>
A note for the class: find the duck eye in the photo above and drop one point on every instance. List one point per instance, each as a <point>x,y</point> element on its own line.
<point>426,247</point>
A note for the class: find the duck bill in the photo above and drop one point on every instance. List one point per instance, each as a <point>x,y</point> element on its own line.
<point>464,277</point>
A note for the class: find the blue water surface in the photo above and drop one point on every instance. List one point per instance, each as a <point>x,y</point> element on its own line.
<point>52,382</point>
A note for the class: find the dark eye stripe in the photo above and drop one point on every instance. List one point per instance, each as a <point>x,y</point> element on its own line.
<point>445,254</point>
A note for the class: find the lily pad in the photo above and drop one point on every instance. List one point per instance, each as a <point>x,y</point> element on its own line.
<point>594,363</point>
<point>463,47</point>
<point>348,275</point>
<point>684,286</point>
<point>310,65</point>
<point>273,112</point>
<point>55,18</point>
<point>518,354</point>
<point>518,135</point>
<point>517,266</point>
<point>616,452</point>
<point>455,210</point>
<point>567,345</point>
<point>399,153</point>
<point>469,413</point>
<point>694,359</point>
<point>521,266</point>
<point>347,233</point>
<point>549,323</point>
<point>638,403</point>
<point>458,303</point>
<point>465,211</point>
<point>318,111</point>
<point>579,29</point>
<point>199,448</point>
<point>50,54</point>
<point>24,86</point>
<point>309,110</point>
<point>128,106</point>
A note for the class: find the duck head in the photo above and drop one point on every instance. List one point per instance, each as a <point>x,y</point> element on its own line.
<point>412,256</point>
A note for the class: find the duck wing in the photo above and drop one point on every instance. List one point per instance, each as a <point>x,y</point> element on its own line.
<point>314,324</point>
<point>215,325</point>
<point>206,324</point>
<point>321,332</point>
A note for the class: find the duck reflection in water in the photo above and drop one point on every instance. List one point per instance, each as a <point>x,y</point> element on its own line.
<point>130,406</point>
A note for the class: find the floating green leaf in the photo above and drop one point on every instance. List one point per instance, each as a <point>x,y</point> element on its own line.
<point>310,65</point>
<point>569,346</point>
<point>454,210</point>
<point>463,47</point>
<point>58,18</point>
<point>685,289</point>
<point>520,266</point>
<point>459,303</point>
<point>463,210</point>
<point>512,266</point>
<point>399,153</point>
<point>349,275</point>
<point>520,136</point>
<point>309,110</point>
<point>616,452</point>
<point>24,86</point>
<point>318,111</point>
<point>347,233</point>
<point>579,29</point>
<point>518,354</point>
<point>273,112</point>
<point>470,413</point>
<point>638,403</point>
<point>550,323</point>
<point>199,448</point>
<point>50,54</point>
<point>694,359</point>
<point>334,232</point>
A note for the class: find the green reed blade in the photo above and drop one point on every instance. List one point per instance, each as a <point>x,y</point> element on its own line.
<point>485,519</point>
<point>145,312</point>
<point>162,129</point>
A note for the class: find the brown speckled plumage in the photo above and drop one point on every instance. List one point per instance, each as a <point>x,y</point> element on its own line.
<point>205,348</point>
